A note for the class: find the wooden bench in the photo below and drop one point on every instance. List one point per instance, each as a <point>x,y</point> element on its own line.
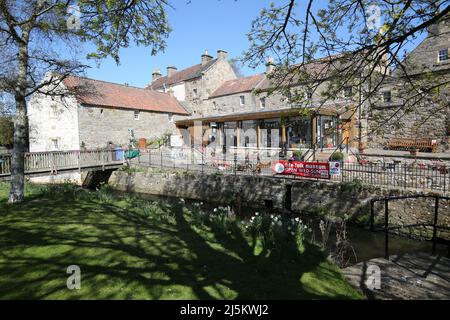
<point>410,144</point>
<point>260,166</point>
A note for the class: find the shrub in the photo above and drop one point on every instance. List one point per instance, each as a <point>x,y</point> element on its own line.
<point>337,156</point>
<point>297,154</point>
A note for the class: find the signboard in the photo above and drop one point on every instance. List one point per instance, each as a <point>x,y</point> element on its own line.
<point>318,170</point>
<point>176,140</point>
<point>335,168</point>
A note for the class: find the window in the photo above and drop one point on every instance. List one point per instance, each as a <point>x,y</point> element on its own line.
<point>136,114</point>
<point>55,144</point>
<point>53,111</point>
<point>170,117</point>
<point>262,102</point>
<point>443,55</point>
<point>242,100</point>
<point>308,95</point>
<point>387,96</point>
<point>195,93</point>
<point>348,92</point>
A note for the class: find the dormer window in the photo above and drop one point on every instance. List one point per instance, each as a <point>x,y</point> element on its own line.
<point>443,55</point>
<point>242,100</point>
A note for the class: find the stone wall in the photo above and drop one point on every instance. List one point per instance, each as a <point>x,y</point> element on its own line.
<point>255,191</point>
<point>99,125</point>
<point>211,79</point>
<point>53,123</point>
<point>402,118</point>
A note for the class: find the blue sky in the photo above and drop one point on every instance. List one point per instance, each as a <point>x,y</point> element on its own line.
<point>199,25</point>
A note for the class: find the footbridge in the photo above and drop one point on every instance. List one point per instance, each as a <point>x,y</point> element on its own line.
<point>57,162</point>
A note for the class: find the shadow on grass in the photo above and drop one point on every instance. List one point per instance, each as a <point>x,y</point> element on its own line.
<point>124,254</point>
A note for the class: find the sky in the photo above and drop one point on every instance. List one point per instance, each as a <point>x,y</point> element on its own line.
<point>197,26</point>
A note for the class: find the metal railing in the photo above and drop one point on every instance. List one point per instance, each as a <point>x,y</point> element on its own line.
<point>434,226</point>
<point>399,176</point>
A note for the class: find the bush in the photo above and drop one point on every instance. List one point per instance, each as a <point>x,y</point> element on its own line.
<point>297,154</point>
<point>337,156</point>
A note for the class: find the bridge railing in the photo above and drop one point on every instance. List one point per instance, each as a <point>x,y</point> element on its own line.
<point>53,161</point>
<point>5,164</point>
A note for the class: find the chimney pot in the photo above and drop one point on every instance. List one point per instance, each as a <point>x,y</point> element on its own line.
<point>156,74</point>
<point>171,70</point>
<point>222,54</point>
<point>206,57</point>
<point>270,66</point>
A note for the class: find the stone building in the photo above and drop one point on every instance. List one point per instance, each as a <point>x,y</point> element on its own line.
<point>92,113</point>
<point>401,111</point>
<point>242,114</point>
<point>193,86</point>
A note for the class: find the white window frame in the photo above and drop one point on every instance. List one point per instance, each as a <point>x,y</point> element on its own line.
<point>137,114</point>
<point>195,93</point>
<point>242,100</point>
<point>55,146</point>
<point>262,102</point>
<point>170,117</point>
<point>53,111</point>
<point>439,55</point>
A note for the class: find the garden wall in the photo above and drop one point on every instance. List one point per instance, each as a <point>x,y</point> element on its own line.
<point>259,191</point>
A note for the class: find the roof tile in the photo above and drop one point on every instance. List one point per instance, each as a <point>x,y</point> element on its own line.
<point>102,93</point>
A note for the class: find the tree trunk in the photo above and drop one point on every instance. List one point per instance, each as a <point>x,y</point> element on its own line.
<point>16,193</point>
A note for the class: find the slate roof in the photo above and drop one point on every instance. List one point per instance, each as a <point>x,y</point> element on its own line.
<point>318,69</point>
<point>108,94</point>
<point>182,75</point>
<point>238,85</point>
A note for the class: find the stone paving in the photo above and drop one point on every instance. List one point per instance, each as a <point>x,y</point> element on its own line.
<point>406,277</point>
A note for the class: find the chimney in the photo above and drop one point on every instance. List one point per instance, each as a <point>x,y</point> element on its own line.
<point>206,57</point>
<point>222,54</point>
<point>270,66</point>
<point>171,70</point>
<point>156,74</point>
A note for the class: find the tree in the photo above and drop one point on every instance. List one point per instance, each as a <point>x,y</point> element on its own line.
<point>236,66</point>
<point>39,37</point>
<point>359,43</point>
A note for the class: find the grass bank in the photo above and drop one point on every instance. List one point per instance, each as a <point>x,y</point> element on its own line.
<point>130,248</point>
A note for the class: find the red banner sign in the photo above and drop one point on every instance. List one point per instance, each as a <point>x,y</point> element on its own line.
<point>318,170</point>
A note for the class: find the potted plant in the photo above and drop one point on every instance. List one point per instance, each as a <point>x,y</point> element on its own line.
<point>296,156</point>
<point>361,147</point>
<point>337,156</point>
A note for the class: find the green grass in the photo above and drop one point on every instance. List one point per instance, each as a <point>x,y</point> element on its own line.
<point>128,248</point>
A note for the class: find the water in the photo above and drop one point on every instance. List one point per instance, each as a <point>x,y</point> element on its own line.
<point>362,245</point>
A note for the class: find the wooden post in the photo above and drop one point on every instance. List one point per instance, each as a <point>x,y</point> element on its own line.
<point>258,142</point>
<point>238,133</point>
<point>313,129</point>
